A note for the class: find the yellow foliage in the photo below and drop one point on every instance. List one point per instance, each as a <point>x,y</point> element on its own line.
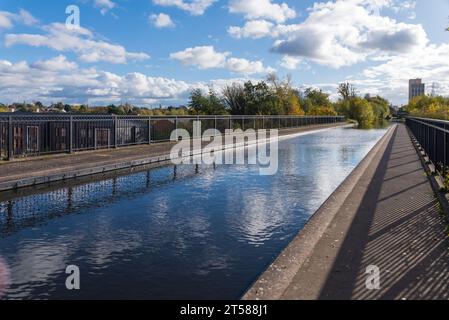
<point>293,106</point>
<point>322,111</point>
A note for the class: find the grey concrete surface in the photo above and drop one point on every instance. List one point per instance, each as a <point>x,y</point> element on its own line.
<point>391,220</point>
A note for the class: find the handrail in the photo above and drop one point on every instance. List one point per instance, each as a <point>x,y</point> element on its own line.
<point>433,138</point>
<point>430,125</point>
<point>430,119</point>
<point>67,115</point>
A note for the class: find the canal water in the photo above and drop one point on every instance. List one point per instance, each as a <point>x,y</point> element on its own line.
<point>171,234</point>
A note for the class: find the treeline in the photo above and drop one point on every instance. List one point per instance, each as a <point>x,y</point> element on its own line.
<point>122,109</point>
<point>273,96</point>
<point>429,107</point>
<point>278,97</point>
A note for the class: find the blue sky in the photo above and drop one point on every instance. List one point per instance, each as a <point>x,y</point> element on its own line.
<point>152,52</point>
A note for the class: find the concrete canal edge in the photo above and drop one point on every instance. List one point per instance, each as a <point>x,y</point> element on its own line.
<point>272,284</point>
<point>163,158</point>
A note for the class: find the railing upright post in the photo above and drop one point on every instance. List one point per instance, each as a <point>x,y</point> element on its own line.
<point>71,135</point>
<point>445,149</point>
<point>10,139</point>
<point>149,130</point>
<point>176,127</point>
<point>115,132</point>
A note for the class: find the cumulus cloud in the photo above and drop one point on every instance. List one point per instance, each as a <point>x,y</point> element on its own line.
<point>161,20</point>
<point>194,7</point>
<point>293,63</point>
<point>262,9</point>
<point>205,57</point>
<point>257,29</point>
<point>392,76</point>
<point>104,5</point>
<point>58,79</point>
<point>245,66</point>
<point>8,19</point>
<point>55,64</point>
<point>324,39</point>
<point>80,40</point>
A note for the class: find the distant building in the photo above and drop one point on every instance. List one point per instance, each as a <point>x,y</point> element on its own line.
<point>416,88</point>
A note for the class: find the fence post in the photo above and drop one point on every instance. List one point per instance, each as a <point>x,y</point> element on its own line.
<point>176,127</point>
<point>444,149</point>
<point>10,139</point>
<point>71,135</point>
<point>149,130</point>
<point>116,132</point>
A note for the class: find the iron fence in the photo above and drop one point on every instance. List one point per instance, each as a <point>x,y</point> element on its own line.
<point>23,135</point>
<point>432,136</point>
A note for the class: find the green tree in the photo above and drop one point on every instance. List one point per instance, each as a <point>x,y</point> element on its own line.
<point>381,107</point>
<point>363,112</point>
<point>288,97</point>
<point>347,91</point>
<point>235,99</point>
<point>206,105</point>
<point>315,98</point>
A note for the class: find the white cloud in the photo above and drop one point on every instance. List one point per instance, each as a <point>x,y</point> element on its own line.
<point>104,5</point>
<point>58,79</point>
<point>293,63</point>
<point>246,67</point>
<point>262,9</point>
<point>391,77</point>
<point>161,20</point>
<point>194,7</point>
<point>58,63</point>
<point>257,29</point>
<point>252,29</point>
<point>81,41</point>
<point>7,19</point>
<point>324,39</point>
<point>206,57</point>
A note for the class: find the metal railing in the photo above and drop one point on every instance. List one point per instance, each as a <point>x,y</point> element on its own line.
<point>24,135</point>
<point>432,136</point>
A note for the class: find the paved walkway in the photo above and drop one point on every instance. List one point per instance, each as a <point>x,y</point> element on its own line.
<point>59,167</point>
<point>391,220</point>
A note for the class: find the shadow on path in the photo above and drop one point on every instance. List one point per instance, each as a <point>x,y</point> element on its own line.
<point>397,227</point>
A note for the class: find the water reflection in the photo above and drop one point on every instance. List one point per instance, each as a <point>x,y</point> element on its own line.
<point>188,233</point>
